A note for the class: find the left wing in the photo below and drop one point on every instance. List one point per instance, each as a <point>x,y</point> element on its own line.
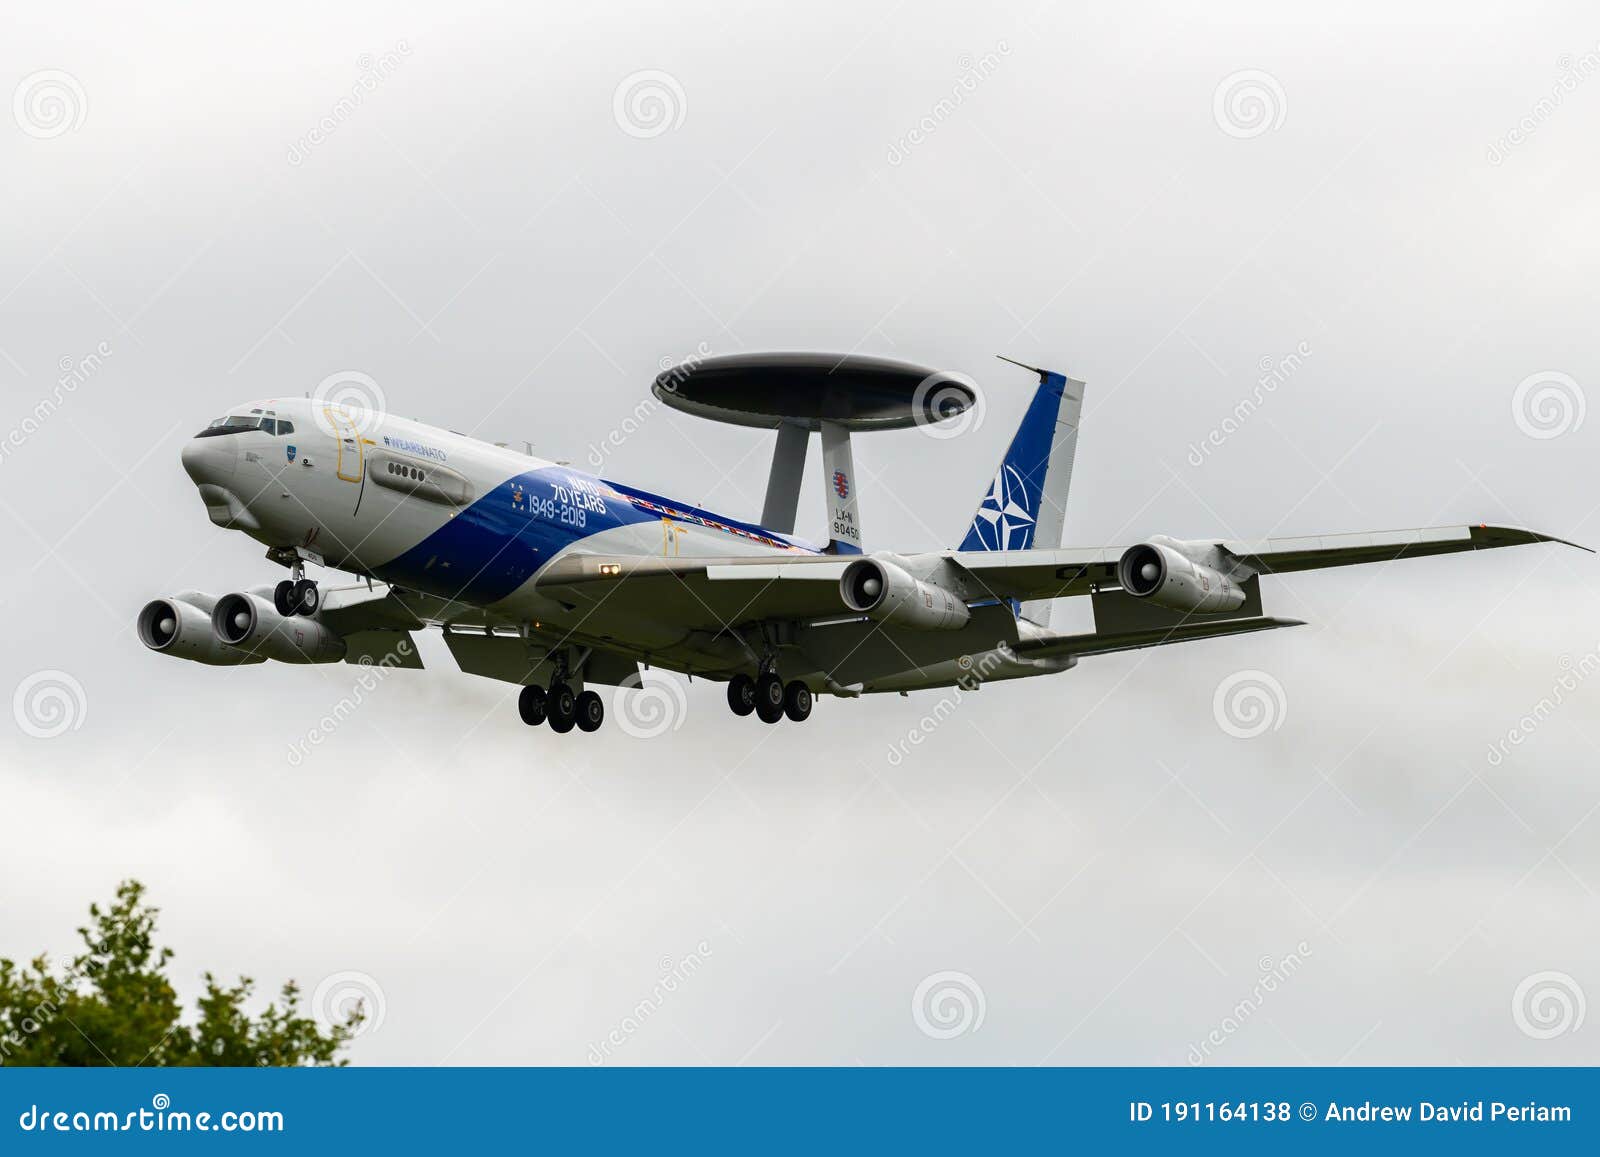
<point>718,593</point>
<point>1057,573</point>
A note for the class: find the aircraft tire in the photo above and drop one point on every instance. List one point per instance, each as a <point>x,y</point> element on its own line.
<point>797,701</point>
<point>741,694</point>
<point>561,708</point>
<point>591,711</point>
<point>769,697</point>
<point>531,705</point>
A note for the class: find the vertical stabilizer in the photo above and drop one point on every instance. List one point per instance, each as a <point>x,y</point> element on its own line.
<point>1026,503</point>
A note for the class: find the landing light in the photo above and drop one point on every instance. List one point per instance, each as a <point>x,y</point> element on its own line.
<point>611,568</point>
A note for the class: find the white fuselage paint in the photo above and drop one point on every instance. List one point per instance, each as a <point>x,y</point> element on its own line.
<point>420,507</point>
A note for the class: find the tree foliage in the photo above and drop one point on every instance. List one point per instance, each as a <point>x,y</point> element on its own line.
<point>113,1004</point>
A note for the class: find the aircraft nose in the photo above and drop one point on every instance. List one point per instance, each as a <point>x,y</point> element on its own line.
<point>204,460</point>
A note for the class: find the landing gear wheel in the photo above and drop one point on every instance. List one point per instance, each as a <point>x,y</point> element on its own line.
<point>769,697</point>
<point>306,598</point>
<point>741,694</point>
<point>591,711</point>
<point>531,705</point>
<point>283,597</point>
<point>561,708</point>
<point>797,701</point>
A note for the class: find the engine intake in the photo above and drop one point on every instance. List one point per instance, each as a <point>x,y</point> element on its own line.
<point>1169,578</point>
<point>181,626</point>
<point>883,591</point>
<point>252,624</point>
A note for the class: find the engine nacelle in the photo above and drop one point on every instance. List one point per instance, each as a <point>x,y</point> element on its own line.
<point>181,626</point>
<point>882,590</point>
<point>251,623</point>
<point>1169,578</point>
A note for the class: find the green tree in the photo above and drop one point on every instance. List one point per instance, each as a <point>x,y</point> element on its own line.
<point>112,1004</point>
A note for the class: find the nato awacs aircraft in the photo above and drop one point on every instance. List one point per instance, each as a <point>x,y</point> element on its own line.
<point>559,581</point>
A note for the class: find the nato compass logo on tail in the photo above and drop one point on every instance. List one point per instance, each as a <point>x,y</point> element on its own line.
<point>841,484</point>
<point>1003,521</point>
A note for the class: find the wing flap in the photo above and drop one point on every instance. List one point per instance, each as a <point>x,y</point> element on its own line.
<point>1105,643</point>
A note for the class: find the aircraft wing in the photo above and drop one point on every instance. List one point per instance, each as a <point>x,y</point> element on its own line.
<point>705,593</point>
<point>717,593</point>
<point>1107,642</point>
<point>1032,574</point>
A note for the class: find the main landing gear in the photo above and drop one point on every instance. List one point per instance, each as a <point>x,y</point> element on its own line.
<point>560,708</point>
<point>297,595</point>
<point>769,698</point>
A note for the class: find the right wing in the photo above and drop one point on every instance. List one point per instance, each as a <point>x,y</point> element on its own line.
<point>1034,574</point>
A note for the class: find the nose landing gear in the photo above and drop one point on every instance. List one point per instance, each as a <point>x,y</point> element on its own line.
<point>297,595</point>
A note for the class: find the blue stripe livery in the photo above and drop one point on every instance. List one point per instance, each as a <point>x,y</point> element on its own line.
<point>1008,517</point>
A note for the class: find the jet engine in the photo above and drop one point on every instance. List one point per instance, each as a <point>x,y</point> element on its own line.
<point>181,626</point>
<point>1169,578</point>
<point>882,590</point>
<point>252,624</point>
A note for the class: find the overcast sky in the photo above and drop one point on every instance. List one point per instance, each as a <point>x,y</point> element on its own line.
<point>525,213</point>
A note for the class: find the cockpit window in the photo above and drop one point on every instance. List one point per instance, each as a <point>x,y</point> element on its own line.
<point>234,424</point>
<point>239,423</point>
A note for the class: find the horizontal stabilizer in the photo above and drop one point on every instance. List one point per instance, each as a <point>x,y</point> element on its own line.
<point>1105,643</point>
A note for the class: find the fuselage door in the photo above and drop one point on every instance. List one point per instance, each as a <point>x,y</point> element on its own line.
<point>343,425</point>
